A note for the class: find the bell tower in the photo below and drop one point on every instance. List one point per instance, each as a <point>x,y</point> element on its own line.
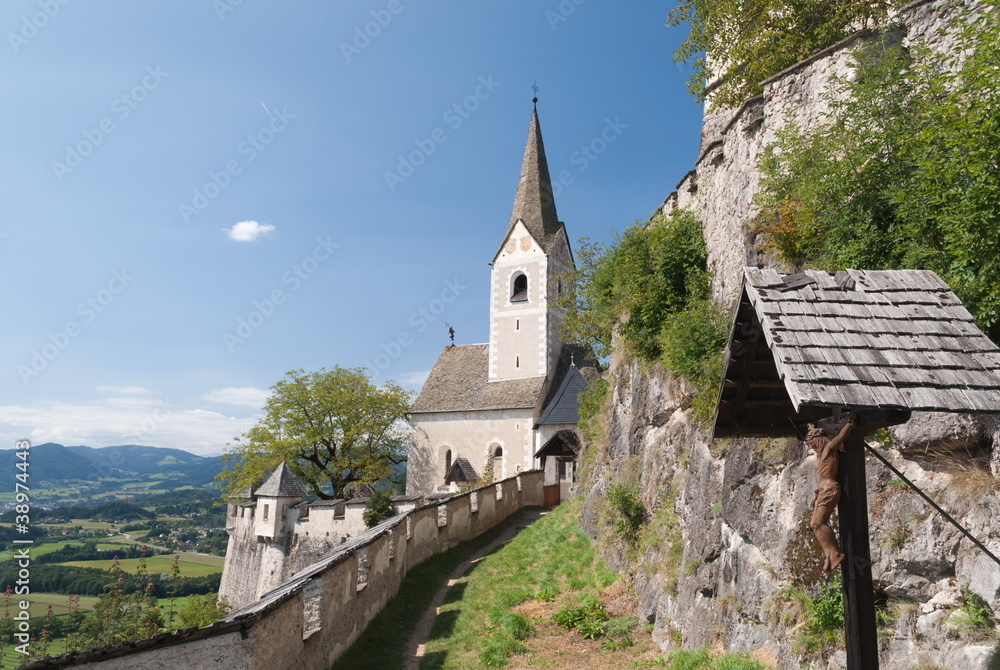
<point>524,340</point>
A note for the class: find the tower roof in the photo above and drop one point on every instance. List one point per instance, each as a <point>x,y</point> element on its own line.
<point>564,407</point>
<point>282,484</point>
<point>534,203</point>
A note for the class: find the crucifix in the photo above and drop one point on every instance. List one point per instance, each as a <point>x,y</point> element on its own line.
<point>847,430</point>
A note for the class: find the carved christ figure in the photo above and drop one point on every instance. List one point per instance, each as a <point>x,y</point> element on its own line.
<point>828,492</point>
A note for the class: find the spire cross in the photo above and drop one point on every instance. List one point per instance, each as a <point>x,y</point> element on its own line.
<point>534,89</point>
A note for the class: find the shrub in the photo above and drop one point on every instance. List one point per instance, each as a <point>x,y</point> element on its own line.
<point>625,501</point>
<point>974,619</point>
<point>378,508</point>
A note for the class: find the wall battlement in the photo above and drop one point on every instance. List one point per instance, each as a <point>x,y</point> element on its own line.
<point>309,620</point>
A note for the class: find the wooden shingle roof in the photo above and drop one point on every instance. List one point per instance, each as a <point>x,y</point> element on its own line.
<point>895,340</point>
<point>459,383</point>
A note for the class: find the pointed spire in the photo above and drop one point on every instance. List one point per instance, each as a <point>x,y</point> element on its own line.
<point>533,202</point>
<point>282,484</point>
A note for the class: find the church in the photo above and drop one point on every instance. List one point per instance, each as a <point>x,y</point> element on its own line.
<point>510,404</point>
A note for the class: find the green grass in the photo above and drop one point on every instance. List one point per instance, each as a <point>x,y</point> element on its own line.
<point>383,644</point>
<point>551,556</point>
<point>191,565</point>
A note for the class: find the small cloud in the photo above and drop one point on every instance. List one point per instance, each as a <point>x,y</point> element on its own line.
<point>246,396</point>
<point>123,390</point>
<point>248,231</point>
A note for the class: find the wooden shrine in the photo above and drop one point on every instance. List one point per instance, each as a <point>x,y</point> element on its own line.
<point>816,347</point>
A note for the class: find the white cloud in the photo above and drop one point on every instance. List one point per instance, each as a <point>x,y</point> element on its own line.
<point>123,390</point>
<point>153,421</point>
<point>246,396</point>
<point>248,231</point>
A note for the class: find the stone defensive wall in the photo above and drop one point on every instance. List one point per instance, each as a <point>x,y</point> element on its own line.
<point>726,178</point>
<point>308,621</point>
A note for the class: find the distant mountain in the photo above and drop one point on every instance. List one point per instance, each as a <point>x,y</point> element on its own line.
<point>53,465</point>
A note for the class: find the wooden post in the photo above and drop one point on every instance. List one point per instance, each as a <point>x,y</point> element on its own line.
<point>859,596</point>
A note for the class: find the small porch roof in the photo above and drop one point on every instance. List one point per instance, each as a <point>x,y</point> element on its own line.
<point>891,341</point>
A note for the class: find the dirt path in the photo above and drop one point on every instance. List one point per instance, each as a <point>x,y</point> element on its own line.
<point>417,643</point>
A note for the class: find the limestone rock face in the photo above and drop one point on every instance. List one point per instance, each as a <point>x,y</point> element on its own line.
<point>727,545</point>
<point>726,555</point>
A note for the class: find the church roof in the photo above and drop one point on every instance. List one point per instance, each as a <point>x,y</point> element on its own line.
<point>458,383</point>
<point>564,406</point>
<point>534,203</point>
<point>282,484</point>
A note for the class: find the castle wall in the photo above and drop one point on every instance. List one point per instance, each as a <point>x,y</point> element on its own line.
<point>726,178</point>
<point>308,621</point>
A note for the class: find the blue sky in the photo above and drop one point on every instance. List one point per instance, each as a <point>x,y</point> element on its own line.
<point>200,196</point>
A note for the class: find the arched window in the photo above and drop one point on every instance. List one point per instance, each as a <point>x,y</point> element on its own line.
<point>498,463</point>
<point>447,461</point>
<point>519,291</point>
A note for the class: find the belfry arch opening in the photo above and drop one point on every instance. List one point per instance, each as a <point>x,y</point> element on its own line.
<point>519,288</point>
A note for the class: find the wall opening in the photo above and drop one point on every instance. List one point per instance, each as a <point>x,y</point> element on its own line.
<point>519,291</point>
<point>339,510</point>
<point>266,506</point>
<point>498,462</point>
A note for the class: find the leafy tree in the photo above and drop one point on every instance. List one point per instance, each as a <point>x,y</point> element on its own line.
<point>378,509</point>
<point>904,174</point>
<point>651,271</point>
<point>333,427</point>
<point>744,42</point>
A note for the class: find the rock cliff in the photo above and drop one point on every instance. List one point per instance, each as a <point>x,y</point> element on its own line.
<point>726,556</point>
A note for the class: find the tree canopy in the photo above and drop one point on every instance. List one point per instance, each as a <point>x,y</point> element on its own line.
<point>333,427</point>
<point>905,173</point>
<point>743,42</point>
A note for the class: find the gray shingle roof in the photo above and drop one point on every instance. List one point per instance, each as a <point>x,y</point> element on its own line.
<point>533,202</point>
<point>281,484</point>
<point>888,340</point>
<point>461,471</point>
<point>563,442</point>
<point>458,382</point>
<point>564,406</point>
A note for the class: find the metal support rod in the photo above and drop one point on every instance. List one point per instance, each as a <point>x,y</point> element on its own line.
<point>933,504</point>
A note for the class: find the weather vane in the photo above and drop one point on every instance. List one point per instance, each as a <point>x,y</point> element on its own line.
<point>534,89</point>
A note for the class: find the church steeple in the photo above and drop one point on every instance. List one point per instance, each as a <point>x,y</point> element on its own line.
<point>534,203</point>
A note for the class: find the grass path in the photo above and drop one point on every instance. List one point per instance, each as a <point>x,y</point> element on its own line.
<point>416,646</point>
